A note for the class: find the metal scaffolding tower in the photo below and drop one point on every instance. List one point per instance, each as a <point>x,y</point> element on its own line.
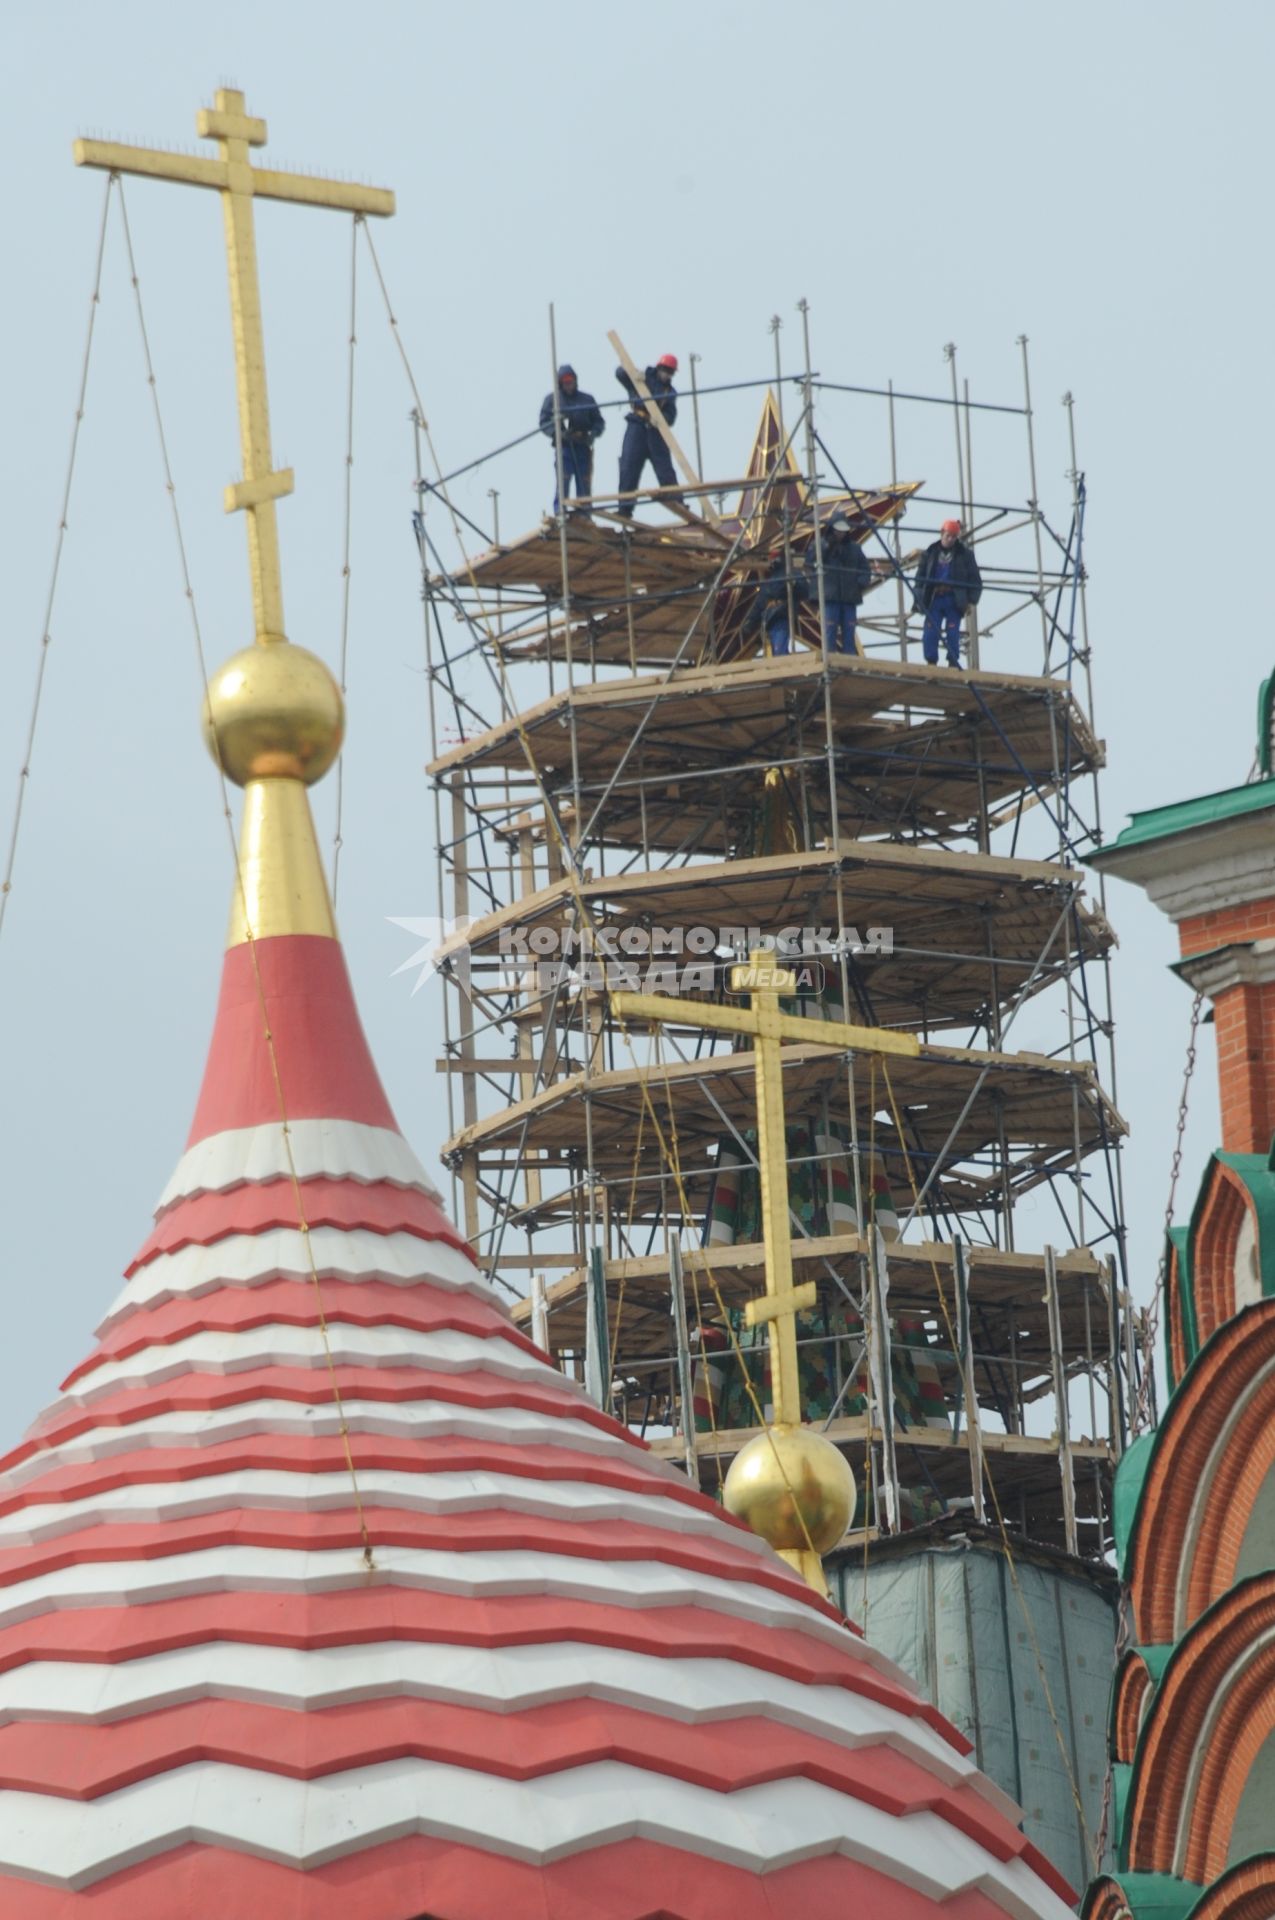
<point>631,789</point>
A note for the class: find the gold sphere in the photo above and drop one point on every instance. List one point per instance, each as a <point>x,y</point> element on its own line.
<point>788,1475</point>
<point>271,712</point>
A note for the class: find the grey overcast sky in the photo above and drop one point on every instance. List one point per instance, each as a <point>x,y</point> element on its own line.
<point>1094,174</point>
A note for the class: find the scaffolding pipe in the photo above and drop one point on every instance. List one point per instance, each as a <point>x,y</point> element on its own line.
<point>965,1338</point>
<point>1062,1415</point>
<point>969,485</point>
<point>685,1382</point>
<point>1034,500</point>
<point>694,359</point>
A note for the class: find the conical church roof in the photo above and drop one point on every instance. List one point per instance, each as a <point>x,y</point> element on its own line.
<point>323,1593</point>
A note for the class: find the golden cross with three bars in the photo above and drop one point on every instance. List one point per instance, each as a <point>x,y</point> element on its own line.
<point>764,980</point>
<point>239,184</point>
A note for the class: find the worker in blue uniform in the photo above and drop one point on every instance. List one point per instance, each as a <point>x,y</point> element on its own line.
<point>947,582</point>
<point>847,575</point>
<point>774,603</point>
<point>643,440</point>
<point>582,424</point>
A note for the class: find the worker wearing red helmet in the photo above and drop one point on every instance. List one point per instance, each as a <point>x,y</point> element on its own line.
<point>947,582</point>
<point>642,439</point>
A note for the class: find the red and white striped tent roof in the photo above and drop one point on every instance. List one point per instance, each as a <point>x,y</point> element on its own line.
<point>566,1686</point>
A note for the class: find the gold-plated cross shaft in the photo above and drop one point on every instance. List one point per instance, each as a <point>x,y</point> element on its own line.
<point>764,980</point>
<point>239,183</point>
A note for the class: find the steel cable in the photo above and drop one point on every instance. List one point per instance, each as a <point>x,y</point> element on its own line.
<point>46,633</point>
<point>303,1226</point>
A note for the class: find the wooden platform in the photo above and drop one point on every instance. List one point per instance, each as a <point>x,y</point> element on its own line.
<point>1023,1467</point>
<point>1030,1109</point>
<point>919,749</point>
<point>608,559</point>
<point>640,594</point>
<point>605,563</point>
<point>1007,1294</point>
<point>949,913</point>
<point>932,1440</point>
<point>676,624</point>
<point>743,709</point>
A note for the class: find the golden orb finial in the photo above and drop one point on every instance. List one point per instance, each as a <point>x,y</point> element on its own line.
<point>274,712</point>
<point>792,1487</point>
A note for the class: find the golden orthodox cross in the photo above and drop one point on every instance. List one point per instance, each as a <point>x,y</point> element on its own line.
<point>239,184</point>
<point>764,980</point>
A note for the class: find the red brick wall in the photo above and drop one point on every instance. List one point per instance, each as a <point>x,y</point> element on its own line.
<point>1255,920</point>
<point>1244,1020</point>
<point>1245,1025</point>
<point>1248,1893</point>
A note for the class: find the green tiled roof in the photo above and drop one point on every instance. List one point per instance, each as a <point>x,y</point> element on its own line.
<point>1180,1240</point>
<point>1130,1477</point>
<point>1157,1659</point>
<point>1162,823</point>
<point>1157,1896</point>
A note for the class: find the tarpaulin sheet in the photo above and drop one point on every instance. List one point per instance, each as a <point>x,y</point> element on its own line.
<point>995,1659</point>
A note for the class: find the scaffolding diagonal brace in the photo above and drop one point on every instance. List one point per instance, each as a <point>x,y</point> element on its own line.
<point>964,1334</point>
<point>881,1375</point>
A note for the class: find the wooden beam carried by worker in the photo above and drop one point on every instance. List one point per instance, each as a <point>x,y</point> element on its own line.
<point>661,425</point>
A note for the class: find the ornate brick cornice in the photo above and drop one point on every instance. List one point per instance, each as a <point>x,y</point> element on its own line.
<point>1246,963</point>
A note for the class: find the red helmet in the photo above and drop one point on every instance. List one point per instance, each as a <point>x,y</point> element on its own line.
<point>950,526</point>
<point>668,360</point>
